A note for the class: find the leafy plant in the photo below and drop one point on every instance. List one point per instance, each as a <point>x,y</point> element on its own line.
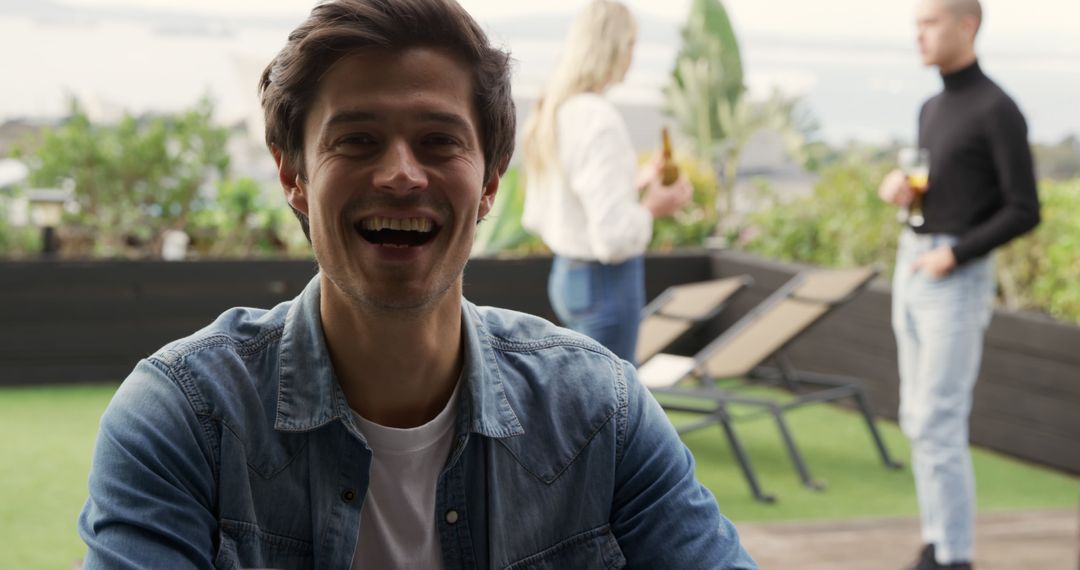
<point>15,241</point>
<point>143,176</point>
<point>134,179</point>
<point>708,71</point>
<point>845,224</point>
<point>501,231</point>
<point>695,222</point>
<point>1042,269</point>
<point>242,221</point>
<point>779,114</point>
<point>707,98</point>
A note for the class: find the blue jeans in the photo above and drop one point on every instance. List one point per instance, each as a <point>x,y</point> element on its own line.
<point>939,325</point>
<point>601,301</point>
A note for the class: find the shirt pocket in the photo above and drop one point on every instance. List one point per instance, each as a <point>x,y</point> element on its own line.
<point>245,545</point>
<point>596,548</point>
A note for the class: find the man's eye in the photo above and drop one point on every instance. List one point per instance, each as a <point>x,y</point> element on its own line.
<point>440,140</point>
<point>356,140</point>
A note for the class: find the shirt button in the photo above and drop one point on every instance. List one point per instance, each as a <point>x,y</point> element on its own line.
<point>451,516</point>
<point>348,495</point>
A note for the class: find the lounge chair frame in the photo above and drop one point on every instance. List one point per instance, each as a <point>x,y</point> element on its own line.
<point>808,297</point>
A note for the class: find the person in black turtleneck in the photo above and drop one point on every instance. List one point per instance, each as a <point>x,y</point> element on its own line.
<point>981,194</point>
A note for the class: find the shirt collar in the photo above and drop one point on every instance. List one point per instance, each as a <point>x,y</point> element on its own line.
<point>309,395</point>
<point>961,78</point>
<point>486,409</point>
<point>308,392</point>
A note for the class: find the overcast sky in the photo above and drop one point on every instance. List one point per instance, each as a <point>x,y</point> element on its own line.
<point>853,61</point>
<point>864,18</point>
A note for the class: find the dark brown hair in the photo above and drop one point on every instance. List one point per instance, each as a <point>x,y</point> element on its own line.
<point>337,28</point>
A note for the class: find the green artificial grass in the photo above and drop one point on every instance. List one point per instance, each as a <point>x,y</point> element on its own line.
<point>839,452</point>
<point>49,436</point>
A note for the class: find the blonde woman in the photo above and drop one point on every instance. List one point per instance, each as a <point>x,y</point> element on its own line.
<point>583,184</point>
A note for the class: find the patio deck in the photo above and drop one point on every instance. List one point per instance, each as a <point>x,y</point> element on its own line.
<point>1041,540</point>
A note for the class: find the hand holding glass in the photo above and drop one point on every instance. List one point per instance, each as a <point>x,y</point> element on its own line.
<point>915,164</point>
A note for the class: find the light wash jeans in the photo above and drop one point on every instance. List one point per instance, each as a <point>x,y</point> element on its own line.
<point>939,325</point>
<point>601,301</point>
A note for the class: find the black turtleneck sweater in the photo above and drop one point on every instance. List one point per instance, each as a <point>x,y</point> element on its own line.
<point>982,180</point>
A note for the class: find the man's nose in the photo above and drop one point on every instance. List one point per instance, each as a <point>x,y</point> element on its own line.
<point>398,170</point>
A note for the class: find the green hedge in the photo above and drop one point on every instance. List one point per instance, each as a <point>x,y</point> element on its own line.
<point>141,176</point>
<point>16,241</point>
<point>844,224</point>
<point>1041,270</point>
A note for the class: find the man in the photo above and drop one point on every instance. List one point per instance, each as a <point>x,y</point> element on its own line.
<point>379,420</point>
<point>981,195</point>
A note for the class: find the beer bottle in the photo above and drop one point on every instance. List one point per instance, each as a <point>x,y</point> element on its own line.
<point>669,171</point>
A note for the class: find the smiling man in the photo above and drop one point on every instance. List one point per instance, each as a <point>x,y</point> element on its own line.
<point>379,420</point>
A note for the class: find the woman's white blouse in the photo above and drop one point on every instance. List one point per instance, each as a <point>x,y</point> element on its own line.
<point>590,210</point>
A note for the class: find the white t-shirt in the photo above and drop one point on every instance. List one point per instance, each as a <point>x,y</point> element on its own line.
<point>397,522</point>
<point>591,211</point>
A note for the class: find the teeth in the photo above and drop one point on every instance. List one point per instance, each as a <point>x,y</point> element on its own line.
<point>407,224</point>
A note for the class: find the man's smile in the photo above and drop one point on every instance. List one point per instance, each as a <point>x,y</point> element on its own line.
<point>397,232</point>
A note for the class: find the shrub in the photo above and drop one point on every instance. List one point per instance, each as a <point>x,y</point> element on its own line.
<point>241,221</point>
<point>501,232</point>
<point>140,177</point>
<point>16,241</point>
<point>695,222</point>
<point>1041,270</point>
<point>844,224</point>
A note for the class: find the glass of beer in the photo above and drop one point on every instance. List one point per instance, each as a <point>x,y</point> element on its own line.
<point>915,164</point>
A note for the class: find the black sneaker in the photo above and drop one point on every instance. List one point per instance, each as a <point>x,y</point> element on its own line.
<point>927,561</point>
<point>951,566</point>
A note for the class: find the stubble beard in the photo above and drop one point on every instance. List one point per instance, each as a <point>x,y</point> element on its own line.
<point>364,300</point>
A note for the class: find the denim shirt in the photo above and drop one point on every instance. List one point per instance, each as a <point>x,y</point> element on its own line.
<point>236,448</point>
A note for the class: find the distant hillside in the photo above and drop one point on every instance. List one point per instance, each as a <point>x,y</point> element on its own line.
<point>643,121</point>
<point>554,27</point>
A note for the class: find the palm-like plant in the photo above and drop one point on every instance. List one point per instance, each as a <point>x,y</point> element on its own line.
<point>708,70</point>
<point>740,121</point>
<point>707,99</point>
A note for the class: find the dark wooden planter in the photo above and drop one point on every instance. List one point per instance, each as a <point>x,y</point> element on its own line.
<point>1027,399</point>
<point>76,322</point>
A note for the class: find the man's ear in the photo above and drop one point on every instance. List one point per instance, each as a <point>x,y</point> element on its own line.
<point>487,199</point>
<point>971,27</point>
<point>291,183</point>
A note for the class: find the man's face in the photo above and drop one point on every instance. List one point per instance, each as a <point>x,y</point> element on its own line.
<point>395,171</point>
<point>942,35</point>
